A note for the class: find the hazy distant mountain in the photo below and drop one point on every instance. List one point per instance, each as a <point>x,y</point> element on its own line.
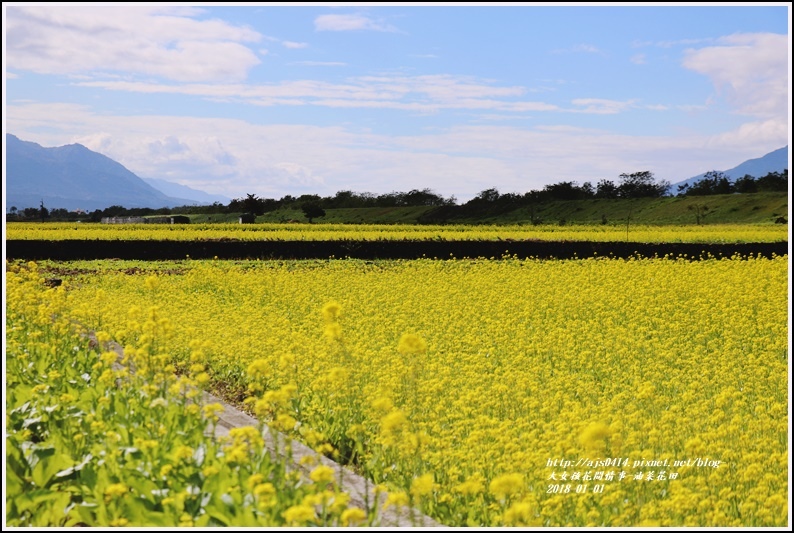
<point>182,191</point>
<point>775,161</point>
<point>74,177</point>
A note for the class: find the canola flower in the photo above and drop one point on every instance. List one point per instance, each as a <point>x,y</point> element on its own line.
<point>353,517</point>
<point>370,232</point>
<point>479,372</point>
<point>506,485</point>
<point>90,446</point>
<point>322,474</point>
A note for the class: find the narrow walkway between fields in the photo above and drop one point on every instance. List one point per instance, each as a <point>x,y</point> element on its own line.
<point>360,489</point>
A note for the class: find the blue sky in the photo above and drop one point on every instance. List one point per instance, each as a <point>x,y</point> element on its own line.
<point>292,99</point>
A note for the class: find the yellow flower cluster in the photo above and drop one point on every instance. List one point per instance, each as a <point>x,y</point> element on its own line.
<point>480,374</point>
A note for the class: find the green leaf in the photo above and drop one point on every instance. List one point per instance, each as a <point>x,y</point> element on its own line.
<point>88,475</point>
<point>15,460</point>
<point>137,509</point>
<point>22,409</point>
<point>219,517</point>
<point>195,479</point>
<point>15,483</point>
<point>202,521</point>
<point>41,451</point>
<point>157,519</point>
<point>131,453</point>
<point>31,421</point>
<point>68,473</point>
<point>52,512</point>
<point>146,488</point>
<point>88,397</point>
<point>33,499</point>
<point>47,467</point>
<point>87,512</point>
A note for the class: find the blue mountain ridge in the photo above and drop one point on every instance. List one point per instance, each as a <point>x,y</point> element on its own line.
<point>74,177</point>
<point>776,161</point>
<point>183,191</point>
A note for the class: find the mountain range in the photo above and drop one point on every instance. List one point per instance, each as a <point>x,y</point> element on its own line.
<point>183,191</point>
<point>775,161</point>
<point>74,177</point>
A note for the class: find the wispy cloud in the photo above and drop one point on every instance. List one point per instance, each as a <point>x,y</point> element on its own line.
<point>670,44</point>
<point>149,40</point>
<point>638,59</point>
<point>426,94</point>
<point>319,63</point>
<point>501,117</point>
<point>587,48</point>
<point>294,45</point>
<point>601,106</point>
<point>748,70</point>
<point>350,23</point>
<point>578,48</point>
<point>422,94</point>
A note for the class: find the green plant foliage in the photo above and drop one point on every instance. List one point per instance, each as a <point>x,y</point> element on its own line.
<point>92,443</point>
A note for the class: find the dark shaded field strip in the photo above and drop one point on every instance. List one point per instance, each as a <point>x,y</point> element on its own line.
<point>67,250</point>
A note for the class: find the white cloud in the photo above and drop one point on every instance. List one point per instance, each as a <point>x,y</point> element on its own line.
<point>587,48</point>
<point>681,42</point>
<point>422,94</point>
<point>499,117</point>
<point>319,63</point>
<point>148,40</point>
<point>764,132</point>
<point>750,70</point>
<point>429,93</point>
<point>235,157</point>
<point>669,44</point>
<point>294,45</point>
<point>294,173</point>
<point>350,23</point>
<point>601,106</point>
<point>579,48</point>
<point>638,59</point>
<point>692,108</point>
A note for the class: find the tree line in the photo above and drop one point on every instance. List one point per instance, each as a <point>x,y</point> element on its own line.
<point>641,184</point>
<point>715,182</point>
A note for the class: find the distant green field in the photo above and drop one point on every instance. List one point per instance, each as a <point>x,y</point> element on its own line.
<point>757,208</point>
<point>362,215</point>
<point>728,208</point>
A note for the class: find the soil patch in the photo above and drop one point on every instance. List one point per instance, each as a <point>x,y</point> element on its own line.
<point>67,250</point>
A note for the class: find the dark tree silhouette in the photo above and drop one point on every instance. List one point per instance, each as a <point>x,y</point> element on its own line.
<point>312,210</point>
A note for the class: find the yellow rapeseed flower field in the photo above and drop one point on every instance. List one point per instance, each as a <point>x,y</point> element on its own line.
<point>91,443</point>
<point>596,392</point>
<point>712,233</point>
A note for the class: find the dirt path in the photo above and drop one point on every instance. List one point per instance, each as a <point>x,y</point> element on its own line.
<point>360,489</point>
